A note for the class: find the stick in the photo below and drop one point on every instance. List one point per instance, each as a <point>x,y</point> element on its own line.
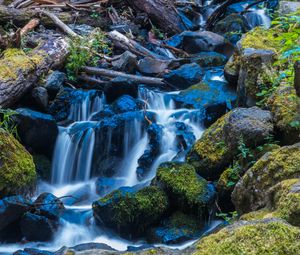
<point>60,24</point>
<point>32,24</point>
<point>113,74</point>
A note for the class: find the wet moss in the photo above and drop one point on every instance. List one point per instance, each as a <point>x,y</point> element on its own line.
<point>17,170</point>
<point>259,237</point>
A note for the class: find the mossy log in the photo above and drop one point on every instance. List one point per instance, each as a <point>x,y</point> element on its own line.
<point>19,72</point>
<point>20,17</point>
<point>162,12</point>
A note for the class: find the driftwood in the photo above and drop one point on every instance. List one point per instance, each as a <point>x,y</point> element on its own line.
<point>20,72</point>
<point>20,17</point>
<point>297,78</point>
<point>125,43</point>
<point>162,12</point>
<point>113,74</point>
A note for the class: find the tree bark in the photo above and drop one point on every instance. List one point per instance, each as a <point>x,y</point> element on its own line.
<point>162,12</point>
<point>20,72</point>
<point>297,78</point>
<point>21,17</point>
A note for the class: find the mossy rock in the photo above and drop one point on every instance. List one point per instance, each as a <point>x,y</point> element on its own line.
<point>17,170</point>
<point>186,189</point>
<point>250,193</point>
<point>131,212</point>
<point>285,106</point>
<point>267,237</point>
<point>218,146</point>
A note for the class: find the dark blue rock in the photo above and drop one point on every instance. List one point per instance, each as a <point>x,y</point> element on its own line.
<point>209,59</point>
<point>49,205</point>
<point>40,99</point>
<point>11,209</point>
<point>77,196</point>
<point>127,104</point>
<point>54,83</point>
<point>184,76</point>
<point>32,251</point>
<point>37,228</point>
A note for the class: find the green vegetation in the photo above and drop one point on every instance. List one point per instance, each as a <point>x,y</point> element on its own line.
<point>86,51</point>
<point>7,123</point>
<point>264,237</point>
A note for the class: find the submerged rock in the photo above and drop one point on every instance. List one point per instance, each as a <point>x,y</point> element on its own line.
<point>131,212</point>
<point>270,236</point>
<point>36,130</point>
<point>250,193</point>
<point>215,150</point>
<point>17,170</point>
<point>193,198</point>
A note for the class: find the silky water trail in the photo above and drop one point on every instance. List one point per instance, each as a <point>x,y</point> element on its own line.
<point>72,163</point>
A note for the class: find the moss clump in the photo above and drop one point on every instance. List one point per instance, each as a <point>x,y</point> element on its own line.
<point>250,193</point>
<point>17,170</point>
<point>187,190</point>
<point>285,105</point>
<point>257,215</point>
<point>15,61</point>
<point>131,212</point>
<point>268,237</point>
<point>211,151</point>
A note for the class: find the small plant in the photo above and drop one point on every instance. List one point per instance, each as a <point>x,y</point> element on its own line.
<point>86,51</point>
<point>6,122</point>
<point>230,217</point>
<point>234,174</point>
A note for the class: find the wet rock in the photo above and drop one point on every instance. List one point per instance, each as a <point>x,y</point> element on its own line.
<point>126,62</point>
<point>250,193</point>
<point>31,251</point>
<point>118,87</point>
<point>263,236</point>
<point>209,59</point>
<point>232,27</point>
<point>49,206</point>
<point>54,83</point>
<point>35,227</point>
<point>184,136</point>
<point>286,7</point>
<point>17,170</point>
<point>131,212</point>
<point>196,42</point>
<point>106,185</point>
<point>150,66</point>
<point>219,143</point>
<point>11,209</point>
<point>34,127</point>
<point>77,196</point>
<point>127,104</point>
<point>231,71</point>
<point>40,98</point>
<point>43,166</point>
<point>177,228</point>
<point>184,76</point>
<point>193,198</point>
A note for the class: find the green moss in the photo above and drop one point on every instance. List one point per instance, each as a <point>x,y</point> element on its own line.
<point>267,238</point>
<point>15,61</point>
<point>187,188</point>
<point>257,215</point>
<point>17,170</point>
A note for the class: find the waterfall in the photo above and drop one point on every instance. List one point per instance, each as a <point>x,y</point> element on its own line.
<point>258,17</point>
<point>75,144</point>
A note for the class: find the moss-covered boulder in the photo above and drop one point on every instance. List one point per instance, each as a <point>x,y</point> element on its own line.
<point>250,193</point>
<point>131,212</point>
<point>186,189</point>
<point>17,170</point>
<point>285,106</point>
<point>268,237</point>
<point>219,144</point>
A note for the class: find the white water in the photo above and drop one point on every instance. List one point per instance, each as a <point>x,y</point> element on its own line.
<point>72,167</point>
<point>258,17</point>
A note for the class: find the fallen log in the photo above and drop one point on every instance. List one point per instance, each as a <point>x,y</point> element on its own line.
<point>21,17</point>
<point>162,12</point>
<point>297,78</point>
<point>125,43</point>
<point>114,74</point>
<point>20,72</point>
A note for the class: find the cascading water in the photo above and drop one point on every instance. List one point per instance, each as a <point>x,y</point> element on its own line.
<point>258,17</point>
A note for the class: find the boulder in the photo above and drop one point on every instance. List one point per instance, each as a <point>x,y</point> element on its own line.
<point>40,98</point>
<point>49,206</point>
<point>11,209</point>
<point>193,198</point>
<point>215,150</point>
<point>285,106</point>
<point>54,83</point>
<point>250,193</point>
<point>150,66</point>
<point>269,236</point>
<point>127,103</point>
<point>286,7</point>
<point>131,212</point>
<point>43,166</point>
<point>126,62</point>
<point>32,251</point>
<point>184,76</point>
<point>36,130</point>
<point>17,170</point>
<point>196,42</point>
<point>209,59</point>
<point>78,195</point>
